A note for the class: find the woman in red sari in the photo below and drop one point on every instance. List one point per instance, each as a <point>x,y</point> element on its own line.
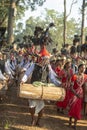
<point>76,99</point>
<point>58,67</point>
<point>65,75</point>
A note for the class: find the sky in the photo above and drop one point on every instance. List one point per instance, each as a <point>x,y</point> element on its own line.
<point>57,5</point>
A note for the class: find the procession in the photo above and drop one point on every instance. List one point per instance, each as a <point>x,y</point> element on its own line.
<point>65,71</point>
<point>43,69</point>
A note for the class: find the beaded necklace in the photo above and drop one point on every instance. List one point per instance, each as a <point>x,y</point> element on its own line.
<point>80,79</point>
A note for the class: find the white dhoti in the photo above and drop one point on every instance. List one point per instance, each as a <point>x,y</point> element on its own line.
<point>38,104</point>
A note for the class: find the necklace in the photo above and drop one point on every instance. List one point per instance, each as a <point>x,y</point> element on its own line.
<point>80,79</point>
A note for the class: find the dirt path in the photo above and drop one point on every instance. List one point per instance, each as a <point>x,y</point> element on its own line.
<point>14,115</point>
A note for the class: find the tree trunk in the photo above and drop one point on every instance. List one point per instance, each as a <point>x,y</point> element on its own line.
<point>83,17</point>
<point>11,22</point>
<point>64,32</point>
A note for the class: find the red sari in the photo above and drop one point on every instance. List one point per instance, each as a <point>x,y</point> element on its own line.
<point>57,70</point>
<point>66,84</point>
<point>75,103</point>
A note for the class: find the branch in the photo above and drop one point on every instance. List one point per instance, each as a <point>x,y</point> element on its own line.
<point>17,2</point>
<point>73,2</point>
<point>3,19</point>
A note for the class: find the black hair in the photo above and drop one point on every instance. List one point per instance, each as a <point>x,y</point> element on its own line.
<point>80,65</point>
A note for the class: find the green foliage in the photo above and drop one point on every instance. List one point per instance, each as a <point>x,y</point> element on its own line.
<point>21,5</point>
<point>57,31</point>
<point>7,125</point>
<point>85,3</point>
<point>4,4</point>
<point>34,3</point>
<point>50,16</point>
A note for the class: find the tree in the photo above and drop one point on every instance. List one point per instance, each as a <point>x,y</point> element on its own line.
<point>83,18</point>
<point>64,32</point>
<point>65,19</point>
<point>21,5</point>
<point>3,12</point>
<point>10,38</point>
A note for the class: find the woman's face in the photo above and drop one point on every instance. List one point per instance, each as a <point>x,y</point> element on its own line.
<point>82,69</point>
<point>68,65</point>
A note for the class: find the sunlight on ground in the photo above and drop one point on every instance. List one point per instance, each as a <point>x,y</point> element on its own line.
<point>80,122</point>
<point>29,128</point>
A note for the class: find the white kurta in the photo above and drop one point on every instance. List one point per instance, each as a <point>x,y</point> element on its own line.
<point>52,76</point>
<point>28,72</point>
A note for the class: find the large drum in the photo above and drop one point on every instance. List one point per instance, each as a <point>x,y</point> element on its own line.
<point>42,92</point>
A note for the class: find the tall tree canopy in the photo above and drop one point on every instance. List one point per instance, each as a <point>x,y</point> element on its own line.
<point>21,5</point>
<point>8,11</point>
<point>56,32</point>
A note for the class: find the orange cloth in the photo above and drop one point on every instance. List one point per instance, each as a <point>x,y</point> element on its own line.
<point>43,52</point>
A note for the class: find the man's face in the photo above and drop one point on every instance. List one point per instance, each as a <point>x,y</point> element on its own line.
<point>12,56</point>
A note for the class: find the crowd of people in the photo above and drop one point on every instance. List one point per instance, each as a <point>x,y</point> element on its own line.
<point>67,69</point>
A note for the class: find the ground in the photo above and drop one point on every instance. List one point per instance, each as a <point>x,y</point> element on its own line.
<point>14,115</point>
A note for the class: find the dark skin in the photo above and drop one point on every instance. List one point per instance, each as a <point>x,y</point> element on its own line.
<point>35,120</point>
<point>80,72</point>
<point>81,69</point>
